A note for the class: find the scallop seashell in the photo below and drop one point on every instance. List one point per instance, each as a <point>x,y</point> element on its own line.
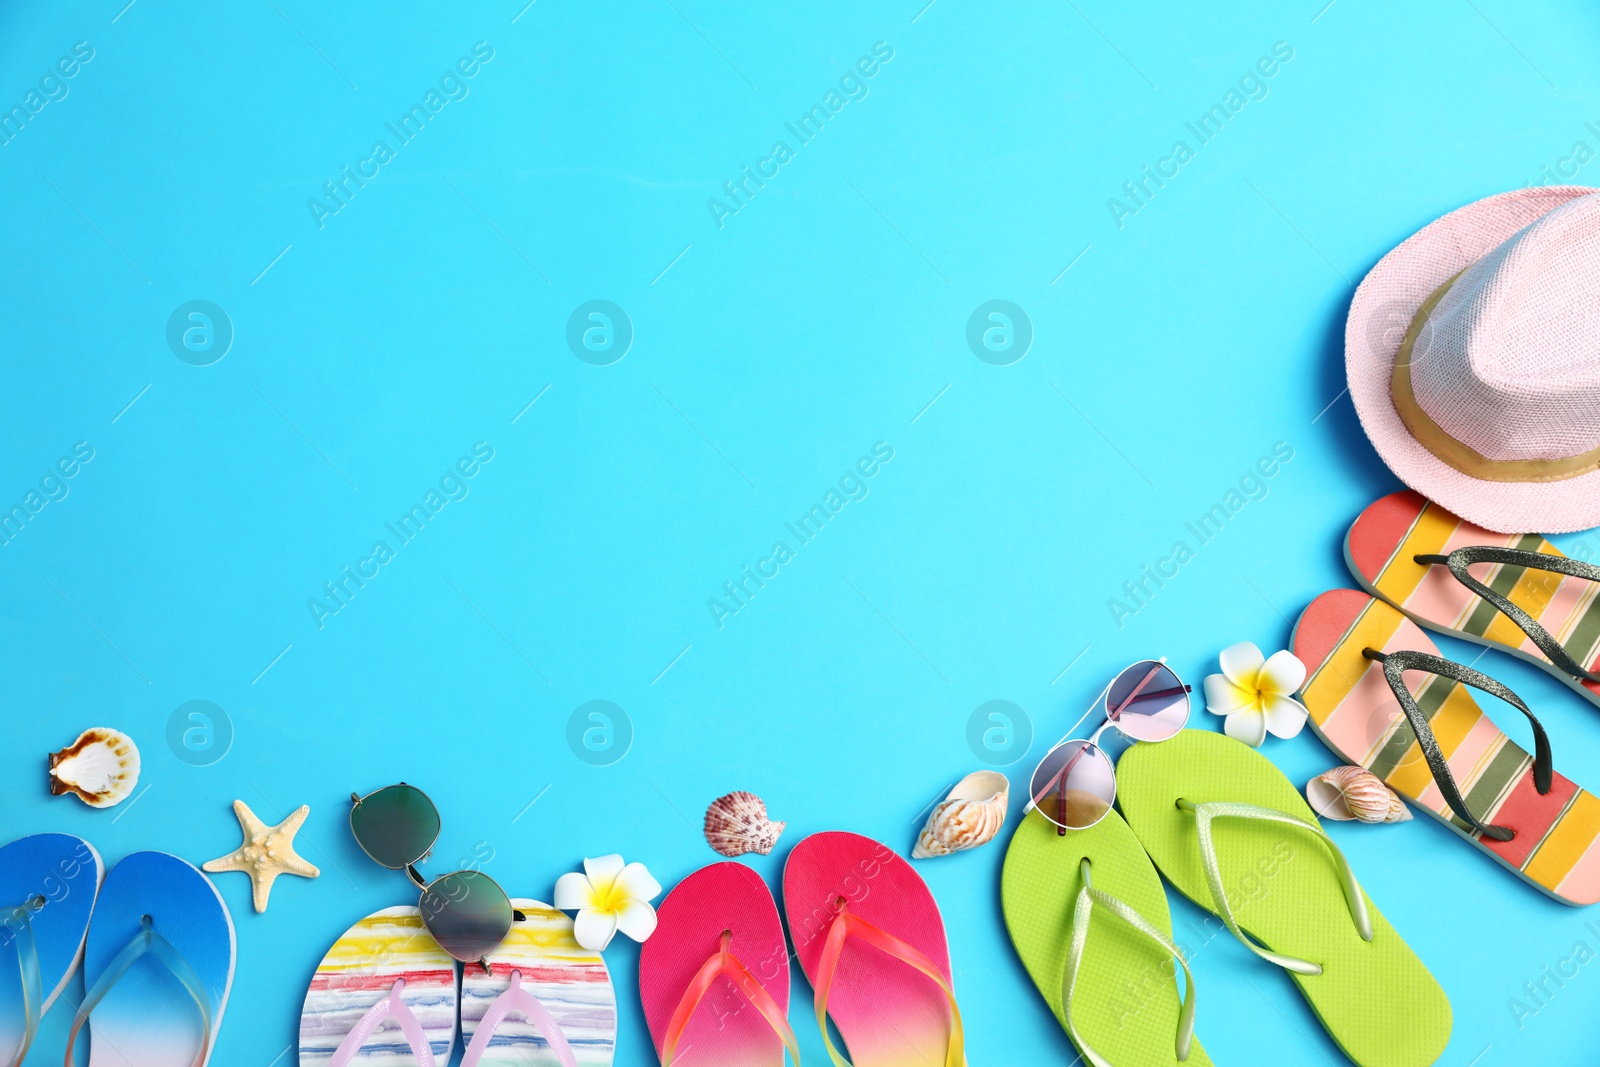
<point>738,823</point>
<point>970,816</point>
<point>100,768</point>
<point>1346,793</point>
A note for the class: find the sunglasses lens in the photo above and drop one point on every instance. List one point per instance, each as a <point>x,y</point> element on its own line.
<point>1148,702</point>
<point>467,913</point>
<point>1075,785</point>
<point>396,826</point>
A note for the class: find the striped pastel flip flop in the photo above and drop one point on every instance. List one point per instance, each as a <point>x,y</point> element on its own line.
<point>48,883</point>
<point>1435,747</point>
<point>1088,916</point>
<point>157,966</point>
<point>546,1002</point>
<point>1514,592</point>
<point>383,996</point>
<point>714,977</point>
<point>868,935</point>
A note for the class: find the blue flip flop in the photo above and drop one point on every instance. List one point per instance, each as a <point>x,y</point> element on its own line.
<point>157,967</point>
<point>48,884</point>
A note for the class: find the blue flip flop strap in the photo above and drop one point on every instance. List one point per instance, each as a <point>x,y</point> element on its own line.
<point>147,942</point>
<point>18,920</point>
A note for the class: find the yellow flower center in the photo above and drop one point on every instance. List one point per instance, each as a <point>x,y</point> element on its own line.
<point>608,898</point>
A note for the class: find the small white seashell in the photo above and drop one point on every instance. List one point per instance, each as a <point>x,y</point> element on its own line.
<point>738,823</point>
<point>100,768</point>
<point>1347,793</point>
<point>970,816</point>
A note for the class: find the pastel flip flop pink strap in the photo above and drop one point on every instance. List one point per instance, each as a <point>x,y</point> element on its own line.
<point>147,943</point>
<point>19,919</point>
<point>517,998</point>
<point>725,963</point>
<point>391,1006</point>
<point>846,925</point>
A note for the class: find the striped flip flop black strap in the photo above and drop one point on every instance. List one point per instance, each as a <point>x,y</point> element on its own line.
<point>1395,664</point>
<point>1462,558</point>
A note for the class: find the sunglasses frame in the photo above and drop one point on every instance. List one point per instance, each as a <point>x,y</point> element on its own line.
<point>356,800</point>
<point>427,887</point>
<point>1091,745</point>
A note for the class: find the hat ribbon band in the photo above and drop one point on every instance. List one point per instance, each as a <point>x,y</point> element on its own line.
<point>1458,454</point>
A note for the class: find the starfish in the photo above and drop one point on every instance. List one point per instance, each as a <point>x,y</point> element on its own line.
<point>267,852</point>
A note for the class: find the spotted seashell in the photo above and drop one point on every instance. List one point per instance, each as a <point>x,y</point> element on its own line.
<point>1346,793</point>
<point>738,823</point>
<point>100,768</point>
<point>970,816</point>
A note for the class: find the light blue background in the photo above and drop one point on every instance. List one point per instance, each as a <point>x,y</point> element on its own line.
<point>768,355</point>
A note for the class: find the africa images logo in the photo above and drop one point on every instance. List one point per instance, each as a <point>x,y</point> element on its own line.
<point>452,85</point>
<point>739,591</point>
<point>339,592</point>
<point>1252,85</point>
<point>1252,486</point>
<point>52,88</point>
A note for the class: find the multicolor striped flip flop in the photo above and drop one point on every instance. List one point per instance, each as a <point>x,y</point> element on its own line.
<point>1088,916</point>
<point>1442,752</point>
<point>157,965</point>
<point>1514,592</point>
<point>714,977</point>
<point>546,1002</point>
<point>383,996</point>
<point>48,884</point>
<point>870,939</point>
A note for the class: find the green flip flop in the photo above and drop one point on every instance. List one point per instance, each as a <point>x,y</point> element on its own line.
<point>1234,836</point>
<point>1088,917</point>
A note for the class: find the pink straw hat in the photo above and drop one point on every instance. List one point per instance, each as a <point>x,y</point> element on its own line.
<point>1473,352</point>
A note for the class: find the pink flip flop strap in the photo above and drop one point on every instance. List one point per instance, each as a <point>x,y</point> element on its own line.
<point>517,998</point>
<point>725,963</point>
<point>391,1006</point>
<point>846,925</point>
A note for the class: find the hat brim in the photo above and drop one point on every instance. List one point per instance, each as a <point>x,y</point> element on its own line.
<point>1384,305</point>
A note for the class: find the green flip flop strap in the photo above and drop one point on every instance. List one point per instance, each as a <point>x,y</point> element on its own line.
<point>1082,911</point>
<point>1206,813</point>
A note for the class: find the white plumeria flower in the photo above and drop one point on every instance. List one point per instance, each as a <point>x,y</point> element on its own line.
<point>1256,694</point>
<point>609,896</point>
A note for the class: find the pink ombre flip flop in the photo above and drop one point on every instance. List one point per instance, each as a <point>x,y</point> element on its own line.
<point>714,977</point>
<point>870,939</point>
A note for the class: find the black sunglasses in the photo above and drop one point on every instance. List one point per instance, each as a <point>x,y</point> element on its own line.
<point>466,911</point>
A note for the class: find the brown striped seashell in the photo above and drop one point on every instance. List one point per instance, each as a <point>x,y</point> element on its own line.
<point>100,768</point>
<point>1347,793</point>
<point>738,823</point>
<point>970,816</point>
